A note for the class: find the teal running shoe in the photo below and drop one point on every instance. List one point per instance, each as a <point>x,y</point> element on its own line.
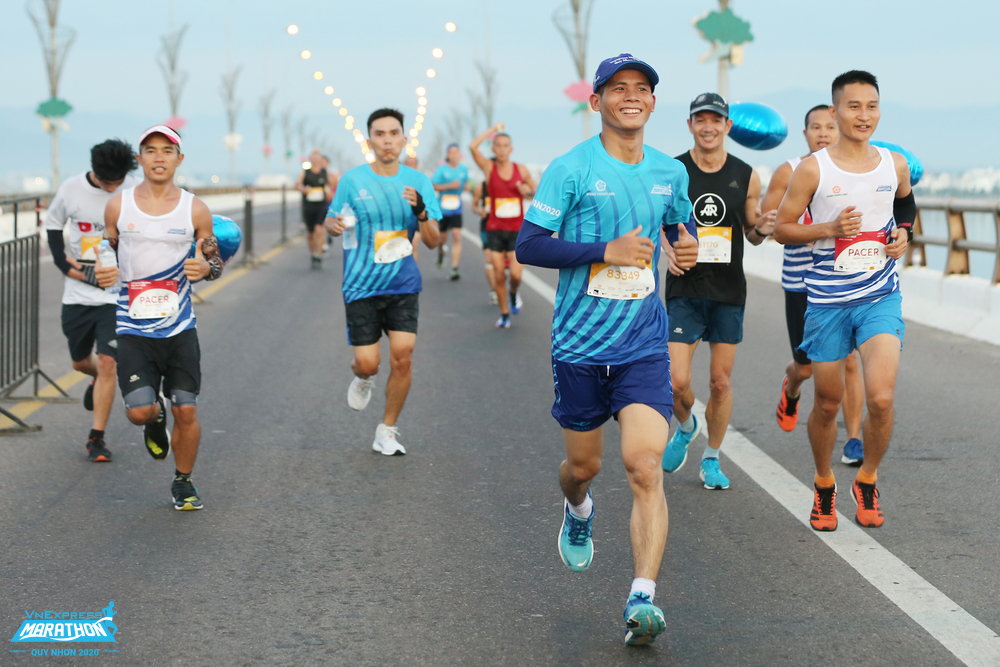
<point>677,449</point>
<point>575,546</point>
<point>643,620</point>
<point>711,475</point>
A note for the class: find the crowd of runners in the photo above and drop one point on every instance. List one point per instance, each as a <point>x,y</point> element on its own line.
<point>602,214</point>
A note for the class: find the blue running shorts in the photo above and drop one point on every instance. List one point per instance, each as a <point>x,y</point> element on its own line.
<point>832,333</point>
<point>694,319</point>
<point>587,395</point>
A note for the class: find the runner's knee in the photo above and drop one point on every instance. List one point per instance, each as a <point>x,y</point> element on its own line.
<point>143,415</point>
<point>106,365</point>
<point>184,415</point>
<point>880,403</point>
<point>827,406</point>
<point>720,384</point>
<point>644,470</point>
<point>401,360</point>
<point>583,471</point>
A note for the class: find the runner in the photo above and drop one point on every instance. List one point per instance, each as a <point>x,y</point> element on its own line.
<point>449,182</point>
<point>820,132</point>
<point>313,183</point>
<point>608,198</point>
<point>153,227</point>
<point>481,207</point>
<point>862,211</point>
<point>88,312</point>
<point>707,301</point>
<point>509,184</point>
<point>382,283</point>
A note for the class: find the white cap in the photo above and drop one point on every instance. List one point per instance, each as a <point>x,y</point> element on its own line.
<point>168,132</point>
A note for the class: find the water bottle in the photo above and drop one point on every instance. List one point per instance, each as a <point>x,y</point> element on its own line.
<point>349,222</point>
<point>108,258</point>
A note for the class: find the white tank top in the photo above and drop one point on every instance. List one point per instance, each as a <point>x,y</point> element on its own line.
<point>798,258</point>
<point>872,194</point>
<point>151,254</point>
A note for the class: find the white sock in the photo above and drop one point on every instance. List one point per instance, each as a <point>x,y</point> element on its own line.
<point>584,509</point>
<point>647,586</point>
<point>688,426</point>
<point>710,453</point>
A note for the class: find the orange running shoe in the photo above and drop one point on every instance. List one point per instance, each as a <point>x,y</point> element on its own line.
<point>866,498</point>
<point>824,513</point>
<point>788,410</point>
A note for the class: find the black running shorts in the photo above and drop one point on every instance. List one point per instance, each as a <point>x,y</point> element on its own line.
<point>313,215</point>
<point>85,325</point>
<point>795,317</point>
<point>450,222</point>
<point>501,241</point>
<point>146,362</point>
<point>368,318</point>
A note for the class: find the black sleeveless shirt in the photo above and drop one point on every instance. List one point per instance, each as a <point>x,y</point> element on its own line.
<point>719,200</point>
<point>314,179</point>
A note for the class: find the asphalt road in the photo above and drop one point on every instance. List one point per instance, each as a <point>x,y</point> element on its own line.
<point>312,550</point>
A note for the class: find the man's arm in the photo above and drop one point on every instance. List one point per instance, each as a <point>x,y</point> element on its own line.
<point>206,262</point>
<point>758,226</point>
<point>106,276</point>
<point>477,196</point>
<point>904,209</point>
<point>527,187</point>
<point>423,206</point>
<point>802,187</point>
<point>299,181</point>
<point>776,188</point>
<point>484,163</point>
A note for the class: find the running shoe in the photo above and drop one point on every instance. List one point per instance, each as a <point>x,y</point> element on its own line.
<point>516,303</point>
<point>454,274</point>
<point>711,475</point>
<point>156,435</point>
<point>866,498</point>
<point>854,453</point>
<point>386,442</point>
<point>440,260</point>
<point>360,392</point>
<point>494,301</point>
<point>676,452</point>
<point>88,397</point>
<point>576,548</point>
<point>824,512</point>
<point>184,494</point>
<point>317,264</point>
<point>788,409</point>
<point>643,620</point>
<point>503,322</point>
<point>97,452</point>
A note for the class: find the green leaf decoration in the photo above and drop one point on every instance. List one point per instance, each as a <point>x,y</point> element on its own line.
<point>724,27</point>
<point>582,106</point>
<point>53,108</point>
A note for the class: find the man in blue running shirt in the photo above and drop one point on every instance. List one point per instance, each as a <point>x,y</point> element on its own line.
<point>449,181</point>
<point>608,199</point>
<point>390,203</point>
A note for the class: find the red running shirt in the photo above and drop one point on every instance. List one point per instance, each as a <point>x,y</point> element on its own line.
<point>506,208</point>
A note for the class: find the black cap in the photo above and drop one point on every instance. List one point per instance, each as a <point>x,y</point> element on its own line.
<point>710,102</point>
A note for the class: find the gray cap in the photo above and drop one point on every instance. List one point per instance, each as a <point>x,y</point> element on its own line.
<point>710,102</point>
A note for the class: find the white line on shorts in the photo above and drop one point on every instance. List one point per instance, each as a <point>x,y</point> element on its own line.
<point>957,630</point>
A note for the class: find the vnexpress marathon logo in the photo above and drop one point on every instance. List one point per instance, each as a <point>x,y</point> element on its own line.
<point>67,626</point>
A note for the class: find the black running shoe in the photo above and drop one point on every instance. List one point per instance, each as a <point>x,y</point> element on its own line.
<point>97,452</point>
<point>88,397</point>
<point>156,435</point>
<point>184,494</point>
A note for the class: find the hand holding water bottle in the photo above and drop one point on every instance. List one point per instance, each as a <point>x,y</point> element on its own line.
<point>349,222</point>
<point>106,268</point>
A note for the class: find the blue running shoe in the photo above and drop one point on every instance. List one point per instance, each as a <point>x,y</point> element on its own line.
<point>854,453</point>
<point>575,546</point>
<point>677,449</point>
<point>643,620</point>
<point>711,475</point>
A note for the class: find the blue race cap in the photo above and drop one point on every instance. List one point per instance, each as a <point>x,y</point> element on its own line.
<point>623,61</point>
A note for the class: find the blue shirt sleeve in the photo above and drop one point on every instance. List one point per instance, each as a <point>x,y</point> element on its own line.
<point>681,211</point>
<point>535,246</point>
<point>556,195</point>
<point>426,191</point>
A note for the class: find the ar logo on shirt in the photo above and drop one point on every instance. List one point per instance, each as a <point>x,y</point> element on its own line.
<point>709,209</point>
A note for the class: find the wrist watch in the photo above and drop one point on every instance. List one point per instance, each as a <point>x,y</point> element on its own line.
<point>422,219</point>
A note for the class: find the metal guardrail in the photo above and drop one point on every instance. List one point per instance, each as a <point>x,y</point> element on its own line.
<point>957,242</point>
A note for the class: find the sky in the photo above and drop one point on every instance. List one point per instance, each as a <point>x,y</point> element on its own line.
<point>933,60</point>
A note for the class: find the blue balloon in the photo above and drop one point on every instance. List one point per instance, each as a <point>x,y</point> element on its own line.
<point>757,126</point>
<point>229,235</point>
<point>916,167</point>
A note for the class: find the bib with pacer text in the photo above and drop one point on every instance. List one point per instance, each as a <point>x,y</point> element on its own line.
<point>450,202</point>
<point>392,246</point>
<point>508,207</point>
<point>864,252</point>
<point>152,299</point>
<point>715,245</point>
<point>624,283</point>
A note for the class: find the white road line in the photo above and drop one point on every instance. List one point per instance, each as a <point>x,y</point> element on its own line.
<point>957,630</point>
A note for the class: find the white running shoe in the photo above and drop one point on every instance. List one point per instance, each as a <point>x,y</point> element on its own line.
<point>385,441</point>
<point>360,393</point>
<point>494,301</point>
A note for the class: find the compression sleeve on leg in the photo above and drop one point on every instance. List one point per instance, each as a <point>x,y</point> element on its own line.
<point>904,210</point>
<point>536,246</point>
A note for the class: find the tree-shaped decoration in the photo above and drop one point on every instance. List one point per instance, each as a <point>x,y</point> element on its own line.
<point>727,33</point>
<point>56,41</point>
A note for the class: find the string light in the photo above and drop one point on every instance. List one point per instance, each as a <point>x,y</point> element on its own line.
<point>358,138</point>
<point>418,126</point>
<point>431,74</point>
<point>437,53</point>
<point>306,54</point>
<point>450,27</point>
<point>415,142</point>
<point>343,111</point>
<point>413,133</point>
<point>370,157</point>
<point>336,102</point>
<point>328,90</point>
<point>317,75</point>
<point>419,119</point>
<point>421,90</point>
<point>292,29</point>
<point>421,110</point>
<point>349,120</point>
<point>422,101</point>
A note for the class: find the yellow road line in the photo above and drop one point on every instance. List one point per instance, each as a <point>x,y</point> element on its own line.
<point>24,409</point>
<point>230,277</point>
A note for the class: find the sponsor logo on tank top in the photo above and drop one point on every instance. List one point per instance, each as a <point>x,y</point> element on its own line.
<point>709,209</point>
<point>884,188</point>
<point>544,208</point>
<point>734,184</point>
<point>662,190</point>
<point>837,192</point>
<point>131,229</point>
<point>176,231</point>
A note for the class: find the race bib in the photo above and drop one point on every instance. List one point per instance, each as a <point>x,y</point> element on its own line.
<point>508,207</point>
<point>864,252</point>
<point>450,202</point>
<point>316,194</point>
<point>88,247</point>
<point>715,245</point>
<point>392,246</point>
<point>152,299</point>
<point>609,281</point>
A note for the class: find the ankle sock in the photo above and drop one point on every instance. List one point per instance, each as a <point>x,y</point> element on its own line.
<point>647,586</point>
<point>185,475</point>
<point>710,453</point>
<point>866,478</point>
<point>95,434</point>
<point>688,426</point>
<point>825,482</point>
<point>584,509</point>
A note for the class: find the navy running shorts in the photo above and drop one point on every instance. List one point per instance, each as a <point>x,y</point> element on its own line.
<point>587,395</point>
<point>693,319</point>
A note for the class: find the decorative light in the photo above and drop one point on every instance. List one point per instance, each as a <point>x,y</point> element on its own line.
<point>317,75</point>
<point>419,118</point>
<point>180,179</point>
<point>306,55</point>
<point>349,120</point>
<point>415,142</point>
<point>437,53</point>
<point>336,101</point>
<point>370,157</point>
<point>307,165</point>
<point>358,138</point>
<point>421,110</point>
<point>343,111</point>
<point>348,126</point>
<point>422,101</point>
<point>413,133</point>
<point>431,74</point>
<point>450,27</point>
<point>328,90</point>
<point>292,29</point>
<point>215,179</point>
<point>421,90</point>
<point>357,133</point>
<point>418,126</point>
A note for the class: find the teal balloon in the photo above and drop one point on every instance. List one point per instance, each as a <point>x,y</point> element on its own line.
<point>229,235</point>
<point>757,126</point>
<point>916,167</point>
